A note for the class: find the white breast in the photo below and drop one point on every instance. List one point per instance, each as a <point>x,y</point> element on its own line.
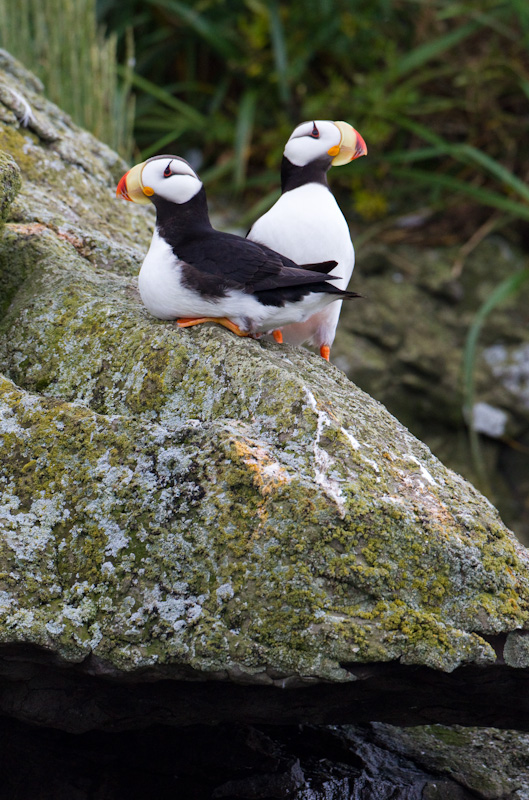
<point>161,288</point>
<point>307,225</point>
<point>165,296</point>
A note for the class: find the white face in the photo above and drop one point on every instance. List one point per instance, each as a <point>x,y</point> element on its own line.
<point>170,177</point>
<point>311,141</point>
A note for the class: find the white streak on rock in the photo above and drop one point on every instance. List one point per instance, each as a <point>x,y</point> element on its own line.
<point>27,115</point>
<point>424,472</point>
<point>322,460</point>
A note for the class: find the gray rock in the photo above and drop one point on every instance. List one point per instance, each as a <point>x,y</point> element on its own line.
<point>187,504</point>
<point>404,344</point>
<point>489,763</point>
<point>9,184</point>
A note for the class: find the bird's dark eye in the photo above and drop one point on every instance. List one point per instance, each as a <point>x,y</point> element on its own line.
<point>315,132</point>
<point>167,171</point>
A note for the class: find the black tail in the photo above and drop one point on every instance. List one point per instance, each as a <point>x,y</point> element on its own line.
<point>293,294</point>
<point>328,288</point>
<point>325,266</point>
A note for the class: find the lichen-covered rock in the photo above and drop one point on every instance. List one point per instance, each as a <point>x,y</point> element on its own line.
<point>191,504</point>
<point>9,184</point>
<point>404,345</point>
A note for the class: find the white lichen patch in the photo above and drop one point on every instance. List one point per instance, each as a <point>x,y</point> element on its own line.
<point>28,533</point>
<point>8,424</point>
<point>224,593</point>
<point>354,442</point>
<point>6,601</point>
<point>189,499</point>
<point>425,474</point>
<point>55,628</point>
<point>177,611</point>
<point>323,463</point>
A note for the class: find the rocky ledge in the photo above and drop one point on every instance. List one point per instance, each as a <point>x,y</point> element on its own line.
<point>199,528</point>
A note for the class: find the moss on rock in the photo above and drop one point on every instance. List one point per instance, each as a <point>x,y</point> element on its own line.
<point>9,184</point>
<point>9,187</point>
<point>192,503</point>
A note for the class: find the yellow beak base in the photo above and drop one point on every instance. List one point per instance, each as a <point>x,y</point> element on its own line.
<point>135,189</point>
<point>351,146</point>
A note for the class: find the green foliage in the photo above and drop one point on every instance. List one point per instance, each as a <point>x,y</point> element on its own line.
<point>231,79</point>
<point>60,41</point>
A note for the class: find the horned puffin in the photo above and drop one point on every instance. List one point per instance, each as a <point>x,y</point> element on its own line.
<point>306,223</point>
<point>194,273</point>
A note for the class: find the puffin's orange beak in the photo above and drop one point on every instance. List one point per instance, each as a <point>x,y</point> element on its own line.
<point>121,191</point>
<point>351,146</point>
<point>361,147</point>
<point>131,187</point>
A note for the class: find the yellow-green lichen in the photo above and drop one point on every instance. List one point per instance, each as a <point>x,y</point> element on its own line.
<point>193,500</point>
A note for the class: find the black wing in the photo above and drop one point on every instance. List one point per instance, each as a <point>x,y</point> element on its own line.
<point>233,262</point>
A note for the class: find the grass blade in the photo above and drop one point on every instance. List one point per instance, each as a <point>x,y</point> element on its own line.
<point>167,99</point>
<point>492,166</point>
<point>160,143</point>
<point>425,52</point>
<point>202,26</point>
<point>280,51</point>
<point>466,153</point>
<point>243,135</point>
<point>483,196</point>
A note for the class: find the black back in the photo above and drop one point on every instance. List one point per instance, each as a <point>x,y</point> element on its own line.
<point>213,262</point>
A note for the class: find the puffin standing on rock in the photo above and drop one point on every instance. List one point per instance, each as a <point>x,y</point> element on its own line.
<point>306,223</point>
<point>194,273</point>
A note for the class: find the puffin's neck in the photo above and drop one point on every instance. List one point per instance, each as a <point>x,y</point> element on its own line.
<point>313,172</point>
<point>178,222</point>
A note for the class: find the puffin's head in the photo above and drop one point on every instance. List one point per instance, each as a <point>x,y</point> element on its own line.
<point>169,177</point>
<point>323,138</point>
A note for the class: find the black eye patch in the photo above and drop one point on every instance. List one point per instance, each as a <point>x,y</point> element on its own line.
<point>315,132</point>
<point>167,171</point>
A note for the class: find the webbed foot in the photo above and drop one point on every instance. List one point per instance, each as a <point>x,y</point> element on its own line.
<point>224,321</point>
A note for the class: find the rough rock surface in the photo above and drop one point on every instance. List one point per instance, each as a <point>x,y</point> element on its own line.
<point>404,346</point>
<point>219,505</point>
<point>188,505</point>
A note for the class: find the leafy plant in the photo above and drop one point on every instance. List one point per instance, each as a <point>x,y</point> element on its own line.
<point>439,91</point>
<point>60,41</point>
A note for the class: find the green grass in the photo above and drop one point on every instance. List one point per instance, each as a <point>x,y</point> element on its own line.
<point>60,41</point>
<point>439,90</point>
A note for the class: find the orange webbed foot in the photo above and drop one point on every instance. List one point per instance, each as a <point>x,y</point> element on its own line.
<point>325,351</point>
<point>278,336</point>
<point>224,321</point>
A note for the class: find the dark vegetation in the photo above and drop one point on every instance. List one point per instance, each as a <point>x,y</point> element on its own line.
<point>439,90</point>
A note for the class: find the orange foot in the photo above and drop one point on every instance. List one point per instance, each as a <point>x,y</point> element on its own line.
<point>224,321</point>
<point>325,351</point>
<point>278,336</point>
